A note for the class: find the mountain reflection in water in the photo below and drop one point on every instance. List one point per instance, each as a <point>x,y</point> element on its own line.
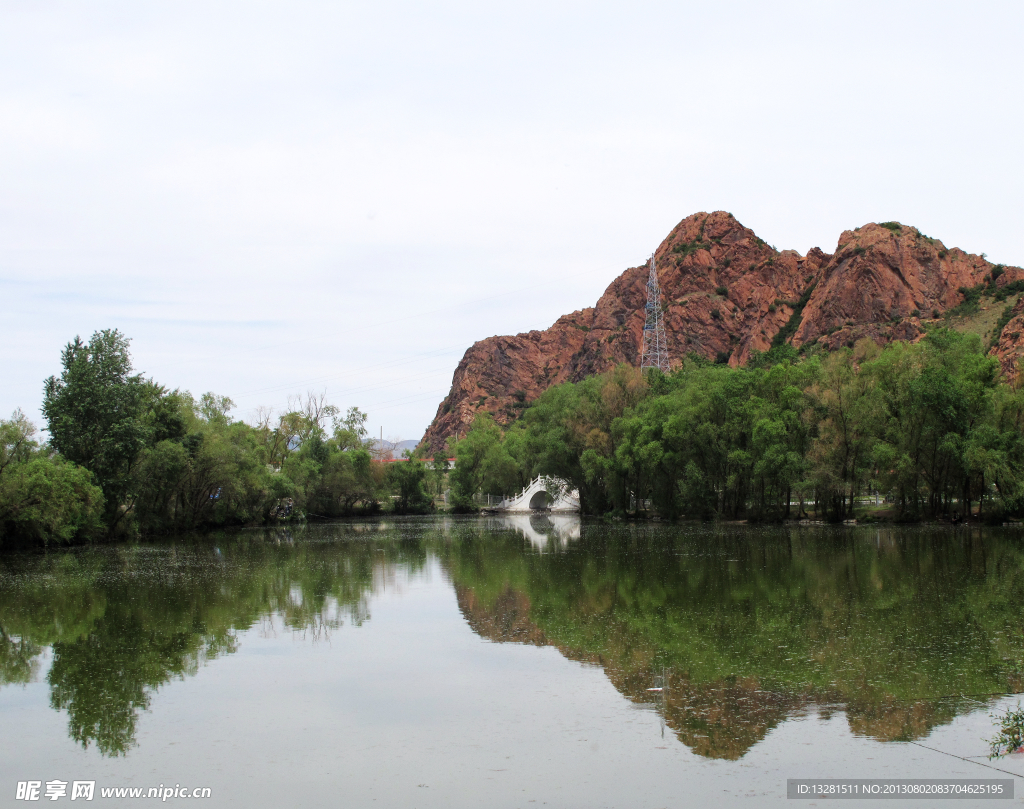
<point>903,629</point>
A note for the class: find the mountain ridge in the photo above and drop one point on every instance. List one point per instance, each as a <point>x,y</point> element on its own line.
<point>727,293</point>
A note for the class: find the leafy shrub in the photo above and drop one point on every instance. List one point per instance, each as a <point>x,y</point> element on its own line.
<point>1011,733</point>
<point>48,499</point>
<point>895,227</point>
<point>723,291</point>
<point>973,295</point>
<point>716,315</point>
<point>1004,318</point>
<point>969,305</point>
<point>793,323</point>
<point>684,249</point>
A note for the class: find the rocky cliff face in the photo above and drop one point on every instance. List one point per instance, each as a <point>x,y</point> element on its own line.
<point>727,293</point>
<point>1009,347</point>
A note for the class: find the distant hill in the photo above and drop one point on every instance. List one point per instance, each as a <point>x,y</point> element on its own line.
<point>396,448</point>
<point>726,293</point>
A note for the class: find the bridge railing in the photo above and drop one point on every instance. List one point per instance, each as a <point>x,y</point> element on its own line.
<point>535,485</point>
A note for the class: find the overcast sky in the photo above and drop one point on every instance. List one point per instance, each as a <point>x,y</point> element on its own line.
<point>275,197</point>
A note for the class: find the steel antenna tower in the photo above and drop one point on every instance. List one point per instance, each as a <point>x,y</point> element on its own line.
<point>655,348</point>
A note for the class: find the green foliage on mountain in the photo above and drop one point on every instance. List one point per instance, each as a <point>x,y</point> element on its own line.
<point>929,425</point>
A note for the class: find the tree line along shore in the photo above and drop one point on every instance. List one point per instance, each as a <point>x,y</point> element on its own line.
<point>126,457</point>
<point>912,431</point>
<point>908,432</point>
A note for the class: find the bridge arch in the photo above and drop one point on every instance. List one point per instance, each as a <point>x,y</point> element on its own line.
<point>535,497</point>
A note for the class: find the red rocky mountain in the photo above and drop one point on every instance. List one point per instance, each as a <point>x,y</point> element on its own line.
<point>727,293</point>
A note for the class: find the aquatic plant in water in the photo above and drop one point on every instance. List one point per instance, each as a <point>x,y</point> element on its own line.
<point>1011,733</point>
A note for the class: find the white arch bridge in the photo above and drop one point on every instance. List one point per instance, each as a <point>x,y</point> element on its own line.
<point>541,494</point>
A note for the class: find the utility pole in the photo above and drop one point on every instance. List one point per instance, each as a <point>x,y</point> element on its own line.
<point>655,347</point>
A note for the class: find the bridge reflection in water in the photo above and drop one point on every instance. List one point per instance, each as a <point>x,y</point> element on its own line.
<point>543,531</point>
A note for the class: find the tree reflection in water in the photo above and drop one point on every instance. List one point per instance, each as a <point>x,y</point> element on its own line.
<point>902,629</point>
<point>124,621</point>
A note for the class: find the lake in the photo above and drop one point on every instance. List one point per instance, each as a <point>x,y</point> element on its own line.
<point>510,662</point>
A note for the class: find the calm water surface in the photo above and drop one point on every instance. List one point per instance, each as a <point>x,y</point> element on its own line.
<point>508,662</point>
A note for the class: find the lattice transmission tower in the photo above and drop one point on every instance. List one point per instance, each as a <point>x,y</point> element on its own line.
<point>655,348</point>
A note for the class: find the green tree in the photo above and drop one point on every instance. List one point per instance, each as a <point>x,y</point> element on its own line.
<point>407,477</point>
<point>350,432</point>
<point>439,471</point>
<point>42,498</point>
<point>214,409</point>
<point>933,402</point>
<point>841,452</point>
<point>571,435</point>
<point>482,464</point>
<point>94,413</point>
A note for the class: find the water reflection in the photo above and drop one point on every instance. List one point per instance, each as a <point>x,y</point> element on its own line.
<point>741,628</point>
<point>904,629</point>
<point>123,621</point>
<point>542,531</point>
